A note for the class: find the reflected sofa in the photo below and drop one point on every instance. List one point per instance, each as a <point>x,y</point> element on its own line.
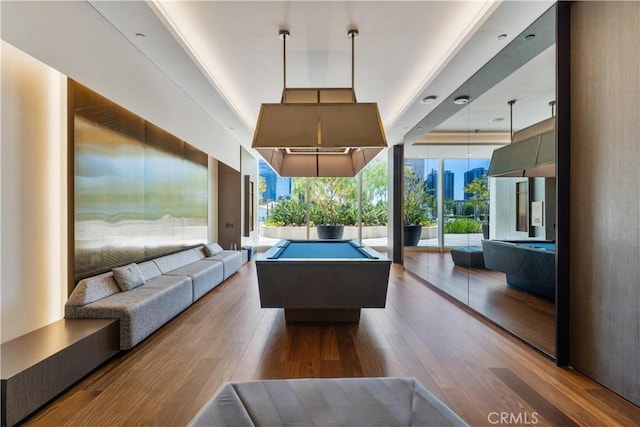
<point>145,296</point>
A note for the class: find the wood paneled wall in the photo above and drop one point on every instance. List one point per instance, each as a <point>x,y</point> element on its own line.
<point>605,194</point>
<point>229,207</point>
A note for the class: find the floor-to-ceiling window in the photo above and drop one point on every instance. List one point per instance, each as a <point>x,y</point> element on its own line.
<point>300,207</point>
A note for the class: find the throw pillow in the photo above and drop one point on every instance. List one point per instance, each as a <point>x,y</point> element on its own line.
<point>128,277</point>
<point>212,249</point>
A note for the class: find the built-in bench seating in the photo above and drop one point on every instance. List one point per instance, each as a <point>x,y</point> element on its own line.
<point>41,364</point>
<point>147,295</point>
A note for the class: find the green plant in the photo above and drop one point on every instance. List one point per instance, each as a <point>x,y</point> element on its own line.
<point>374,213</point>
<point>331,195</point>
<point>287,212</point>
<point>462,226</point>
<point>479,196</point>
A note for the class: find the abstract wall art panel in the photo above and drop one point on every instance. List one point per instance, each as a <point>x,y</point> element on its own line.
<point>139,192</point>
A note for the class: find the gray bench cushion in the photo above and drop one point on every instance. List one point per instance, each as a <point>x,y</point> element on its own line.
<point>141,310</point>
<point>204,276</point>
<point>326,402</point>
<point>93,289</point>
<point>149,270</point>
<point>232,261</point>
<point>168,263</point>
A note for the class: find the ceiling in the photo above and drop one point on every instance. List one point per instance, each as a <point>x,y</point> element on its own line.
<point>227,56</point>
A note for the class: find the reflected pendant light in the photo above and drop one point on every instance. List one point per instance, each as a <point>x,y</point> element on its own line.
<point>318,131</point>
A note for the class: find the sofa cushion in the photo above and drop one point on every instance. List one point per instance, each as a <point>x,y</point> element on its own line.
<point>205,275</point>
<point>212,249</point>
<point>149,270</point>
<point>171,262</point>
<point>93,289</point>
<point>232,261</point>
<point>142,310</point>
<point>128,277</point>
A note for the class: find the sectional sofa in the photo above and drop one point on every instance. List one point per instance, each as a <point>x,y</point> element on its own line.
<point>145,296</point>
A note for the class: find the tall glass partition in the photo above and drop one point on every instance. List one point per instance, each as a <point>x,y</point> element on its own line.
<point>308,208</point>
<point>486,178</point>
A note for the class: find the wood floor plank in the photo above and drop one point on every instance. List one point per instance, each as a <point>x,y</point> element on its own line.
<point>540,404</point>
<point>470,364</point>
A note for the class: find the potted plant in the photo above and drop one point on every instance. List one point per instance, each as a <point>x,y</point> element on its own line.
<point>330,194</point>
<point>414,207</point>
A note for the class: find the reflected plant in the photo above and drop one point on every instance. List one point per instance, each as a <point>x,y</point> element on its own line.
<point>479,199</point>
<point>415,210</point>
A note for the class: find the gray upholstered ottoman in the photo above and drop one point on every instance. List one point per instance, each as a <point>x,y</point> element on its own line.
<point>468,256</point>
<point>326,402</point>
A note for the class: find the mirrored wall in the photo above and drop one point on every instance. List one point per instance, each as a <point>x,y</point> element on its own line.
<point>480,184</point>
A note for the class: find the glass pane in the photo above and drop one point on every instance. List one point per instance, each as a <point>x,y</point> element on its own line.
<point>281,212</point>
<point>375,210</point>
<point>466,201</point>
<point>333,208</point>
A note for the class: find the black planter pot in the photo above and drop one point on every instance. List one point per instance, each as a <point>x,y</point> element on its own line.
<point>412,235</point>
<point>333,232</point>
<point>485,230</point>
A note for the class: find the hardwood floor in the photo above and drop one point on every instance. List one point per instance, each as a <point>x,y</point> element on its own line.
<point>525,315</point>
<point>477,369</point>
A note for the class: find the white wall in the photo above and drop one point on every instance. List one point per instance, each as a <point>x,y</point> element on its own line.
<point>73,38</point>
<point>33,272</point>
<point>502,207</point>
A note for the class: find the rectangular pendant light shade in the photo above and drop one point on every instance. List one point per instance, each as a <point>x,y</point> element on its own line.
<point>532,153</point>
<point>319,132</point>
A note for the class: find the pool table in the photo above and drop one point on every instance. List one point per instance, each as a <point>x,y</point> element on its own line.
<point>322,280</point>
<point>528,264</point>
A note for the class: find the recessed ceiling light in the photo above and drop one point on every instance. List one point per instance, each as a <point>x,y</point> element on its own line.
<point>497,119</point>
<point>404,128</point>
<point>502,36</point>
<point>529,36</point>
<point>429,99</point>
<point>419,128</point>
<point>461,100</point>
<point>140,35</point>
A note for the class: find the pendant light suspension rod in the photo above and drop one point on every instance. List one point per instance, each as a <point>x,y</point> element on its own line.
<point>513,101</point>
<point>284,35</point>
<point>353,33</point>
<point>552,104</point>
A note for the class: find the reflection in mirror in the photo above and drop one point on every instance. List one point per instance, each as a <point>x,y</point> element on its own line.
<point>489,179</point>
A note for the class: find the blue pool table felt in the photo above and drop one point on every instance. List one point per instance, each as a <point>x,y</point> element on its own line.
<point>314,249</point>
<point>548,246</point>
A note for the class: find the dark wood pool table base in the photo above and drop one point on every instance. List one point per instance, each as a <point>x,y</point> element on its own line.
<point>351,315</point>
